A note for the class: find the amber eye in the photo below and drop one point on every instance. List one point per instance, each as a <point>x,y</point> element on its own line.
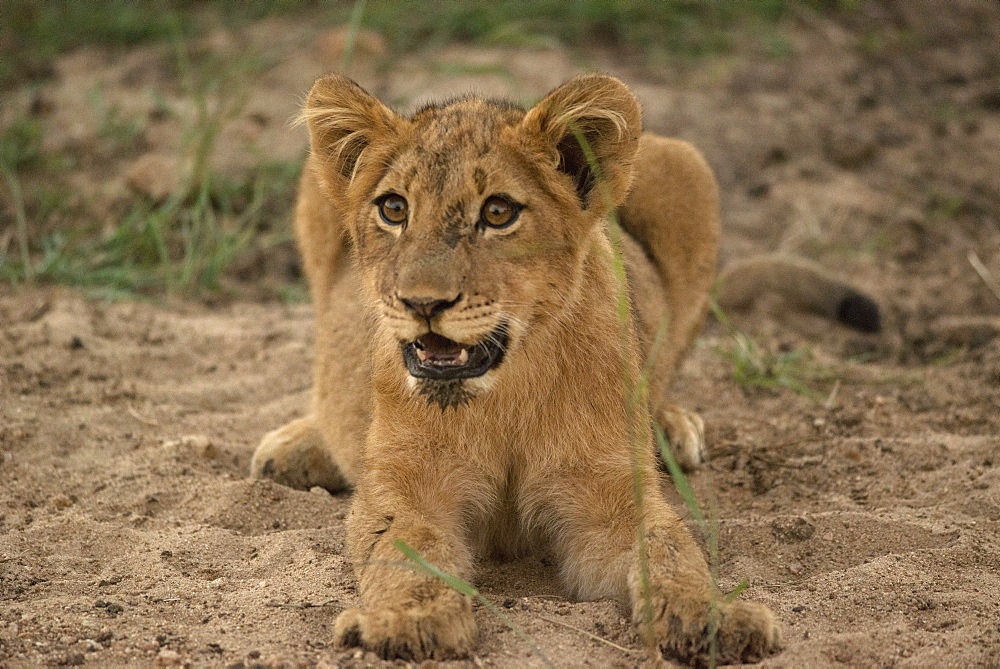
<point>498,212</point>
<point>393,209</point>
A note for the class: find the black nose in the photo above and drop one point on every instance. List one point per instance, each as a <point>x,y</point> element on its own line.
<point>428,307</point>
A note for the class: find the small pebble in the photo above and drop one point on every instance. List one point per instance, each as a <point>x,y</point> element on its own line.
<point>168,658</point>
<point>196,443</point>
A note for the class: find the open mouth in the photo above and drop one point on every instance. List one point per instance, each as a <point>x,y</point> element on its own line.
<point>432,356</point>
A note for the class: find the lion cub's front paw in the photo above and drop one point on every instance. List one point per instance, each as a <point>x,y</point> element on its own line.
<point>685,432</point>
<point>747,632</point>
<point>416,634</point>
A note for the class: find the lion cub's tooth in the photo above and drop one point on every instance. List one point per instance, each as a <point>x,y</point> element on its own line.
<point>421,354</point>
<point>463,356</point>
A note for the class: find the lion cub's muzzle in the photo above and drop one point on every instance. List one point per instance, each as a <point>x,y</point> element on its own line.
<point>432,356</point>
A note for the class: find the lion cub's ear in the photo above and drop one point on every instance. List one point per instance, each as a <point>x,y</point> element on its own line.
<point>344,120</point>
<point>593,123</point>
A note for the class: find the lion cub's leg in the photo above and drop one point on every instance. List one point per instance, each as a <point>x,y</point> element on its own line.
<point>674,604</point>
<point>672,214</point>
<point>296,455</point>
<point>405,613</point>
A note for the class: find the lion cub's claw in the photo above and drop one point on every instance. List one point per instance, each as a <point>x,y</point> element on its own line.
<point>415,634</point>
<point>747,632</point>
<point>685,433</point>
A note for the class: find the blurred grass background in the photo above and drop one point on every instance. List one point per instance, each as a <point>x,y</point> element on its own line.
<point>206,238</point>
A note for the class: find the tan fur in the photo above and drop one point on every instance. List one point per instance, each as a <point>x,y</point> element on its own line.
<point>545,448</point>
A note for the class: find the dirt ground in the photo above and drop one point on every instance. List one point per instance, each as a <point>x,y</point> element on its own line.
<point>867,517</point>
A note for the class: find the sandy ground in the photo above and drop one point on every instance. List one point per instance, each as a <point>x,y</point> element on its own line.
<point>867,518</point>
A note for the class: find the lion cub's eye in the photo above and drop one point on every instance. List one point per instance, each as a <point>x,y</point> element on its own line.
<point>498,212</point>
<point>393,209</point>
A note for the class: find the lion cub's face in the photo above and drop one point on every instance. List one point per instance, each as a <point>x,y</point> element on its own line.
<point>470,220</point>
<point>460,242</point>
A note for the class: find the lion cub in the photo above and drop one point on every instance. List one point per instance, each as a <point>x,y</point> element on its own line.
<point>474,378</point>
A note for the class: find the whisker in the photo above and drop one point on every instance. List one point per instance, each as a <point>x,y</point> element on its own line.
<point>496,341</point>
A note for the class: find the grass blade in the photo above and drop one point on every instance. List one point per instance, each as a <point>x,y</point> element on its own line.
<point>352,34</point>
<point>735,592</point>
<point>681,481</point>
<point>14,186</point>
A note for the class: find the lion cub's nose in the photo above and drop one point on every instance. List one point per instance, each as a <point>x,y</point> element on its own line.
<point>428,307</point>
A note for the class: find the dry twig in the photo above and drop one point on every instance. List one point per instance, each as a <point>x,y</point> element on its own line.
<point>139,417</point>
<point>984,274</point>
<point>302,605</point>
<point>592,636</point>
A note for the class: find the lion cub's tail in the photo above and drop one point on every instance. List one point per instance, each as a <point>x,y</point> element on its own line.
<point>802,283</point>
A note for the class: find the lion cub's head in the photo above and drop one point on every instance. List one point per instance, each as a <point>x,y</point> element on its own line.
<point>470,220</point>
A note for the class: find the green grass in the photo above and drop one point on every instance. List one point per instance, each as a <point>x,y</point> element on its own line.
<point>48,27</point>
<point>118,130</point>
<point>668,26</point>
<point>183,245</point>
<point>186,244</point>
<point>21,145</point>
<point>756,367</point>
<point>33,32</point>
<point>212,224</point>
